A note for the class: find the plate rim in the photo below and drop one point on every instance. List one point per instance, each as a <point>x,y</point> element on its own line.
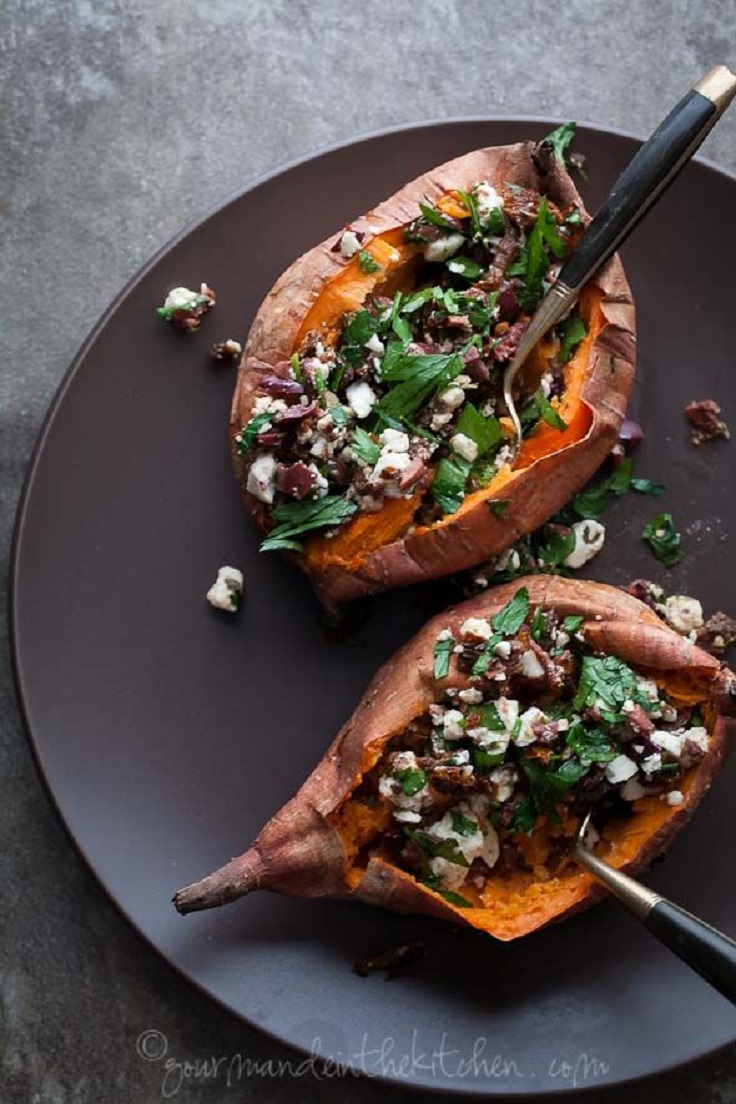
<point>19,524</point>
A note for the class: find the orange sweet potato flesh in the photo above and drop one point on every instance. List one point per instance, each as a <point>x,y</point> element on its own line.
<point>375,552</point>
<point>310,848</point>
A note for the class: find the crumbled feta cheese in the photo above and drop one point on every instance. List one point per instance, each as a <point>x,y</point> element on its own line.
<point>440,419</point>
<point>531,668</point>
<point>471,696</point>
<point>698,735</point>
<point>668,741</point>
<point>590,536</point>
<point>503,779</point>
<point>652,763</point>
<point>264,404</point>
<point>261,482</point>
<point>390,464</point>
<point>444,634</point>
<point>675,797</point>
<point>320,486</point>
<point>361,398</point>
<point>508,711</point>
<point>390,787</point>
<point>620,769</point>
<point>648,688</point>
<point>488,739</point>
<point>510,560</point>
<point>443,248</point>
<point>545,384</point>
<point>452,397</point>
<point>375,345</point>
<point>459,758</point>
<point>683,614</point>
<point>349,244</point>
<point>632,790</point>
<point>180,298</point>
<point>481,844</point>
<point>406,816</point>
<point>229,349</point>
<point>322,448</point>
<point>184,299</point>
<point>476,628</point>
<point>502,456</point>
<point>453,725</point>
<point>487,199</point>
<point>529,718</point>
<point>394,440</point>
<point>464,446</point>
<point>227,590</point>
<point>502,649</point>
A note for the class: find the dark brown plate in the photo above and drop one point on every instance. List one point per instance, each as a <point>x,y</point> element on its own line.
<point>168,733</point>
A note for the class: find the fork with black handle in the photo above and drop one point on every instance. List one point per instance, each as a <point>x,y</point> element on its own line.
<point>705,949</point>
<point>640,185</point>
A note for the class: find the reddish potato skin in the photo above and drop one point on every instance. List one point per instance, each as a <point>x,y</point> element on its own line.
<point>300,852</point>
<point>535,493</point>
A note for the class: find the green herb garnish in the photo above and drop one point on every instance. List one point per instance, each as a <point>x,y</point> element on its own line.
<point>416,378</point>
<point>591,502</point>
<point>663,539</point>
<point>412,780</point>
<point>538,626</point>
<point>448,485</point>
<point>549,413</point>
<point>647,487</point>
<point>455,898</point>
<point>558,544</point>
<point>463,825</point>
<point>513,615</point>
<point>463,266</point>
<point>439,849</point>
<point>534,258</point>
<point>525,816</point>
<point>591,745</point>
<point>560,140</point>
<point>296,518</point>
<point>250,431</point>
<point>608,680</point>
<point>436,218</point>
<point>484,760</point>
<point>364,447</point>
<point>573,332</point>
<point>366,263</point>
<point>483,662</point>
<point>442,652</point>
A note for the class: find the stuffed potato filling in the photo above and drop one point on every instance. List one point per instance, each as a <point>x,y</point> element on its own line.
<point>403,397</point>
<point>532,729</point>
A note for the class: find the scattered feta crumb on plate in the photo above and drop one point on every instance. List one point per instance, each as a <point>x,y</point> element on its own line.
<point>227,590</point>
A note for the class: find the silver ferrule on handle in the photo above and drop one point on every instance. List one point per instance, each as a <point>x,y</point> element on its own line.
<point>719,86</point>
<point>638,898</point>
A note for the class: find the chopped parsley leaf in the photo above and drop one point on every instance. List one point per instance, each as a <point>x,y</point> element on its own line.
<point>442,652</point>
<point>663,539</point>
<point>295,518</point>
<point>366,263</point>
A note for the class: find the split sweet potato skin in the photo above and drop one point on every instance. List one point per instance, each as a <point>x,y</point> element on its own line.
<point>594,407</point>
<point>301,851</point>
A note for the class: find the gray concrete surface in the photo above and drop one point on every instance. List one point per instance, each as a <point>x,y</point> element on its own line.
<point>120,122</point>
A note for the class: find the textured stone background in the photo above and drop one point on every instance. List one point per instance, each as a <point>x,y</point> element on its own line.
<point>121,121</point>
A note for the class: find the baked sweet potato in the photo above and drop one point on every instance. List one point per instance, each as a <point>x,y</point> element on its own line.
<point>456,787</point>
<point>368,425</point>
